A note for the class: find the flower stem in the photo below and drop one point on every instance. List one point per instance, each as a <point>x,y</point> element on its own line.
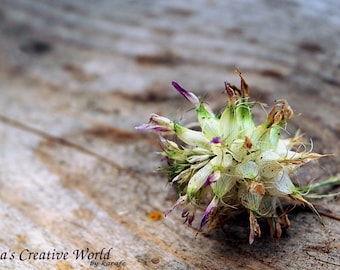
<point>331,181</point>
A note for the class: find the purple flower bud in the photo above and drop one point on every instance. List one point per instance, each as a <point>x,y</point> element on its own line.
<point>143,127</point>
<point>216,140</point>
<point>180,200</point>
<point>208,211</point>
<point>153,127</point>
<point>191,219</point>
<point>212,178</point>
<point>188,95</point>
<point>157,123</point>
<point>185,212</point>
<point>228,90</point>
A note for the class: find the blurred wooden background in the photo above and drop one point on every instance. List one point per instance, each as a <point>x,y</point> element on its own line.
<point>76,77</point>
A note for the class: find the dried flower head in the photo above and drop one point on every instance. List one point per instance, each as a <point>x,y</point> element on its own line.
<point>231,164</point>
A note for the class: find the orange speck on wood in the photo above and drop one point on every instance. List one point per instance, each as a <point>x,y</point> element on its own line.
<point>155,216</point>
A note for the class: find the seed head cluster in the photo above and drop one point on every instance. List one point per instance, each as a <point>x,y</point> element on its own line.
<point>231,165</point>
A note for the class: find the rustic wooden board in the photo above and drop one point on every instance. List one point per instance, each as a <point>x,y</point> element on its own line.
<point>76,77</point>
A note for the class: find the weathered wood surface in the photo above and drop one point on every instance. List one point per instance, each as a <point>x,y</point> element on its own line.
<point>76,77</point>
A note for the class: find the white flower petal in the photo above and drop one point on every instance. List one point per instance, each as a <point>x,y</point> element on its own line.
<point>199,178</point>
<point>248,170</point>
<point>283,185</point>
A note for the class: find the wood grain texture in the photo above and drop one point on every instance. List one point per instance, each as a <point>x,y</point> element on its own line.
<point>76,77</point>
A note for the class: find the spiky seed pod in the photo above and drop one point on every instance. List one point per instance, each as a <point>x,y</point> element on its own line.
<point>234,163</point>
